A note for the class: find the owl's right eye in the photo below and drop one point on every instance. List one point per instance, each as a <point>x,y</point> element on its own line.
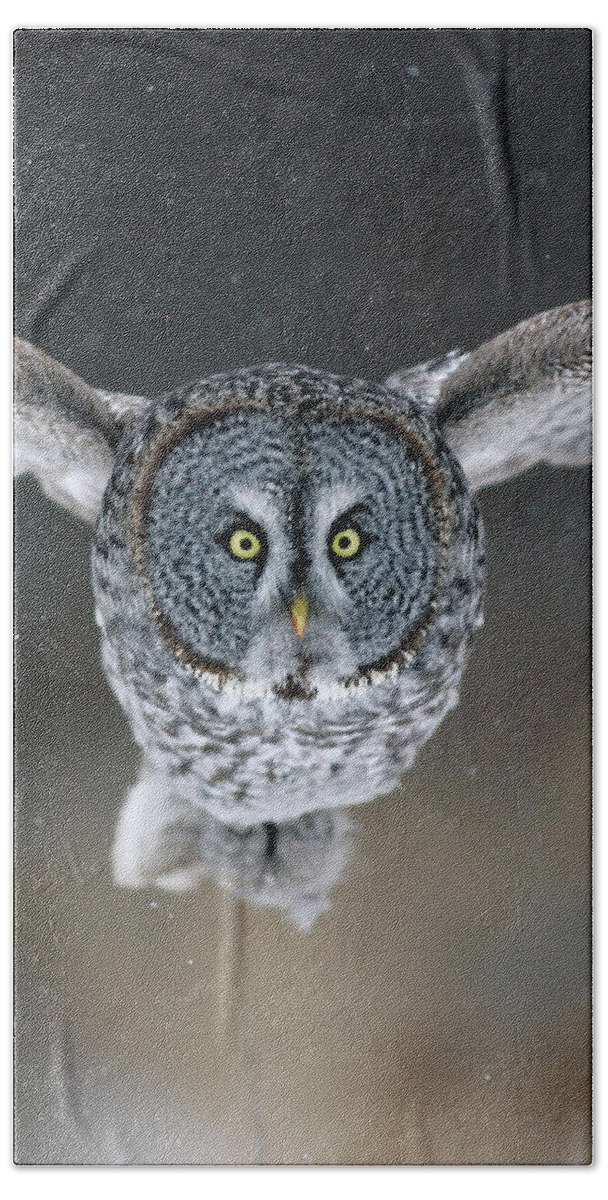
<point>244,544</point>
<point>244,541</point>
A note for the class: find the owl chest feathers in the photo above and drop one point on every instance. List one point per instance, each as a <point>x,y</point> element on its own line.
<point>249,760</point>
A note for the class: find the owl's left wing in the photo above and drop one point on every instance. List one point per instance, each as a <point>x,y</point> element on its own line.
<point>66,432</point>
<point>520,399</point>
<point>425,381</point>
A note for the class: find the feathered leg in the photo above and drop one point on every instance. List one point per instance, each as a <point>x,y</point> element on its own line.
<point>164,841</point>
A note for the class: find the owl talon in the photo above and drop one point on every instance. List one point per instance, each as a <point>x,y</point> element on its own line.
<point>181,881</point>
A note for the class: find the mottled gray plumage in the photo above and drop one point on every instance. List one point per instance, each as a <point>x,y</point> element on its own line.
<point>228,502</point>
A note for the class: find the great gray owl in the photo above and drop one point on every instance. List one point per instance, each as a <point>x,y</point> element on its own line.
<point>288,567</point>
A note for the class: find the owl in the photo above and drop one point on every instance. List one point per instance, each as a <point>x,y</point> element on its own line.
<point>288,567</point>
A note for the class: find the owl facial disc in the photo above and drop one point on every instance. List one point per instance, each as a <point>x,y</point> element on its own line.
<point>290,551</point>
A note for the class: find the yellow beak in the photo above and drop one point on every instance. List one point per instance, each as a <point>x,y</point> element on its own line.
<point>299,613</point>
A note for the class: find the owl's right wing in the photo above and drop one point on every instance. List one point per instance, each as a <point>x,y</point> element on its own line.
<point>66,432</point>
<point>522,398</point>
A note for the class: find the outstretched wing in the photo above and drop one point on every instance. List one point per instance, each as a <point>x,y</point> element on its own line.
<point>425,381</point>
<point>65,431</point>
<point>520,399</point>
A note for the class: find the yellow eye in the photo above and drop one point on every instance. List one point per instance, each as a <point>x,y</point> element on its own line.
<point>244,544</point>
<point>346,543</point>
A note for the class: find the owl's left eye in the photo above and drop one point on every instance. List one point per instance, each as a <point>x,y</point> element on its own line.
<point>346,543</point>
<point>244,544</point>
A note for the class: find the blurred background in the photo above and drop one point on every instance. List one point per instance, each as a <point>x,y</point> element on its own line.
<point>193,200</point>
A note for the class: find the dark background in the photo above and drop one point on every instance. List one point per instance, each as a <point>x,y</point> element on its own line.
<point>357,200</point>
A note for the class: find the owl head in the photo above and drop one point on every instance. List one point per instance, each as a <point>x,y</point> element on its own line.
<point>285,533</point>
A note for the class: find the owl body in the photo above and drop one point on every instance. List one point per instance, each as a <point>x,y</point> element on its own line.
<point>246,761</point>
<point>288,566</point>
<point>251,719</point>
